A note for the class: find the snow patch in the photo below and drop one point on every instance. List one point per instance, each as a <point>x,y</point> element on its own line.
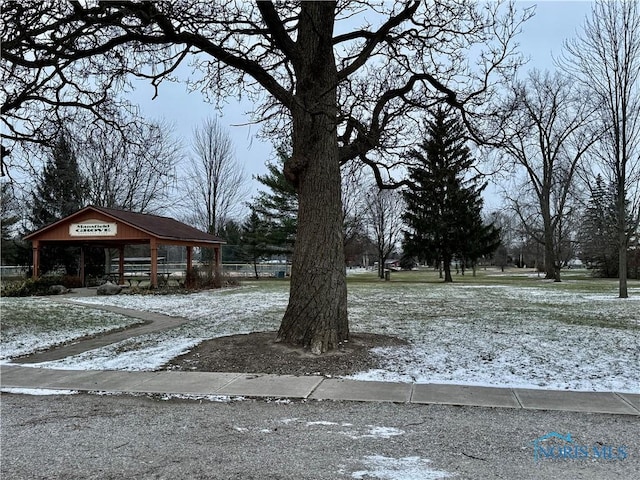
<point>37,391</point>
<point>375,432</point>
<point>404,468</point>
<point>143,353</point>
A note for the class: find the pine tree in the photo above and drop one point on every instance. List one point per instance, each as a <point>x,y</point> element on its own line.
<point>255,240</point>
<point>59,191</point>
<point>443,209</point>
<point>9,218</point>
<point>598,232</point>
<point>277,207</point>
<point>232,251</point>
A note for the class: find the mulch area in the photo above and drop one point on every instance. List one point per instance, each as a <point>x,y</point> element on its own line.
<point>259,353</point>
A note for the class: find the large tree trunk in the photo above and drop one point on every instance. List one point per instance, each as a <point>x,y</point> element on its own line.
<point>622,241</point>
<point>623,291</point>
<point>316,317</point>
<point>447,269</point>
<point>550,260</point>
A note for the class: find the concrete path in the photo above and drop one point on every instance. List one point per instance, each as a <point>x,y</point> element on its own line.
<point>313,388</point>
<point>152,322</point>
<point>15,376</point>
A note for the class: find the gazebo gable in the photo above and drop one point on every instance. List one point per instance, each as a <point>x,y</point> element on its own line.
<point>89,224</point>
<point>166,229</point>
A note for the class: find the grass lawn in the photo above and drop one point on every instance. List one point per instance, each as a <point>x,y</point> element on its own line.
<point>500,329</point>
<point>30,324</point>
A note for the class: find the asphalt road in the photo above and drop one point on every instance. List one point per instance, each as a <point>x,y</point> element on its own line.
<point>122,437</point>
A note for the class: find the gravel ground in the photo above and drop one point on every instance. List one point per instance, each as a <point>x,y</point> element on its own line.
<point>116,437</point>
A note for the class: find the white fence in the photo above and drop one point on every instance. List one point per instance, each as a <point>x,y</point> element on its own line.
<point>276,270</point>
<point>12,271</point>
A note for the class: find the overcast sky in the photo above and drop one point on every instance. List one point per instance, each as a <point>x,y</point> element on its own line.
<point>541,40</point>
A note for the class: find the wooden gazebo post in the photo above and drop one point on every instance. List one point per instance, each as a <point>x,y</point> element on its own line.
<point>153,244</point>
<point>121,265</point>
<point>217,274</point>
<point>188,279</point>
<point>82,262</point>
<point>36,259</point>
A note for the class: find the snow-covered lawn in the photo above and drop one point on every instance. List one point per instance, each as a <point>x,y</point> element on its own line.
<point>575,335</point>
<point>31,324</point>
<point>531,337</point>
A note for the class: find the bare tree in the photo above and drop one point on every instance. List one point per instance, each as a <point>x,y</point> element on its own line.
<point>39,95</point>
<point>216,183</point>
<point>353,206</point>
<point>605,59</point>
<point>384,209</point>
<point>548,135</point>
<point>133,175</point>
<point>346,81</point>
<point>506,222</point>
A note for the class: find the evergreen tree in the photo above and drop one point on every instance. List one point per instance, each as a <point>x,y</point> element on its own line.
<point>59,191</point>
<point>256,240</point>
<point>598,232</point>
<point>483,240</point>
<point>277,207</point>
<point>60,188</point>
<point>9,219</point>
<point>443,208</point>
<point>232,251</point>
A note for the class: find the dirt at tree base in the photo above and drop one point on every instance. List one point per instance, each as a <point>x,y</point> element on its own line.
<point>259,353</point>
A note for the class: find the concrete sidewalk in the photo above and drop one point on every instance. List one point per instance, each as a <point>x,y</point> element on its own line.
<point>313,388</point>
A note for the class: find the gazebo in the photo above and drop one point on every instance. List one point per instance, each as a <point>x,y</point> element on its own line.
<point>111,228</point>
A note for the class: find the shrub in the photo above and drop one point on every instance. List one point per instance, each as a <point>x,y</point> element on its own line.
<point>25,288</point>
<point>29,287</point>
<point>199,279</point>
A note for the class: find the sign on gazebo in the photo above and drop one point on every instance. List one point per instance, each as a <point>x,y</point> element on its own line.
<point>93,229</point>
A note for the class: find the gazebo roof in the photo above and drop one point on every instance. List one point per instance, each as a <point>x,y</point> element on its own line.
<point>162,228</point>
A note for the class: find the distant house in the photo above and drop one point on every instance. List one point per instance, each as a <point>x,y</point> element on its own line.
<point>575,263</point>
